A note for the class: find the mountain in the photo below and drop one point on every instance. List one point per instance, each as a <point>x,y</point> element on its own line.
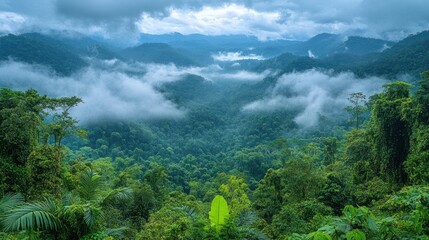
<point>411,55</point>
<point>200,48</point>
<point>156,53</point>
<point>326,45</point>
<point>277,63</point>
<point>361,45</point>
<point>190,90</point>
<point>321,45</point>
<point>363,56</point>
<point>86,46</point>
<point>36,48</point>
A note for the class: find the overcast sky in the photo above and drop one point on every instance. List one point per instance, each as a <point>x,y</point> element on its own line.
<point>265,19</point>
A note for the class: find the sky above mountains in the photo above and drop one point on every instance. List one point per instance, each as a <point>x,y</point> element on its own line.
<point>275,19</point>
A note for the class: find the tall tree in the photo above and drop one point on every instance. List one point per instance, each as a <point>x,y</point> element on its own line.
<point>20,115</point>
<point>391,131</point>
<point>358,101</point>
<point>417,164</point>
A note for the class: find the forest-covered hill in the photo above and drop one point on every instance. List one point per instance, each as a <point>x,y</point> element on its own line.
<point>153,147</point>
<point>408,56</point>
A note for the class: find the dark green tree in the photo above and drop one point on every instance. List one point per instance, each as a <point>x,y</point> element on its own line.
<point>391,131</point>
<point>358,101</point>
<point>45,175</point>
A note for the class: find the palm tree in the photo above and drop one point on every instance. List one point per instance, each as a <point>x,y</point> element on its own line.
<point>9,201</point>
<point>83,207</point>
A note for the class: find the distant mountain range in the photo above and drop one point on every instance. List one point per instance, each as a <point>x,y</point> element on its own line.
<point>67,53</point>
<point>39,49</point>
<point>156,53</point>
<point>409,56</point>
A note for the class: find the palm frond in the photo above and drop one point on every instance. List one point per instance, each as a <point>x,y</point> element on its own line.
<point>68,199</point>
<point>189,211</point>
<point>10,201</point>
<point>247,218</point>
<point>89,185</point>
<point>118,194</point>
<point>90,215</point>
<point>251,232</point>
<point>32,216</point>
<point>88,212</point>
<point>116,232</point>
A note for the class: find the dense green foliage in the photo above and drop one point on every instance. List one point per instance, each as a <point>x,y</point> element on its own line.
<point>220,173</point>
<point>159,180</point>
<point>408,56</point>
<point>39,49</point>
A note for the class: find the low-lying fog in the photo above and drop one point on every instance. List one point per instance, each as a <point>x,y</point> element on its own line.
<point>117,90</point>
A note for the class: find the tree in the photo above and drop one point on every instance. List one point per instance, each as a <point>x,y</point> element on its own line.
<point>45,176</point>
<point>358,101</point>
<point>235,193</point>
<point>417,162</point>
<point>329,149</point>
<point>23,123</point>
<point>422,99</point>
<point>20,115</point>
<point>62,123</point>
<point>78,214</point>
<point>390,131</point>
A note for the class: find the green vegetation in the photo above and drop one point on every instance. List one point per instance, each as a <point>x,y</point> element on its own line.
<point>216,174</point>
<point>408,56</point>
<point>38,49</point>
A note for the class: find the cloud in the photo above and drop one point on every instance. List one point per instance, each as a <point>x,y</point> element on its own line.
<point>238,76</point>
<point>106,94</point>
<point>222,20</point>
<point>313,93</point>
<point>112,89</point>
<point>235,56</point>
<point>294,19</point>
<point>10,22</point>
<point>277,19</point>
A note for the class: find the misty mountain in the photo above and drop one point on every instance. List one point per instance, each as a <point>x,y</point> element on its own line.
<point>202,47</point>
<point>325,45</point>
<point>156,53</point>
<point>361,45</point>
<point>277,62</point>
<point>189,91</point>
<point>39,49</point>
<point>86,46</point>
<point>321,45</point>
<point>411,55</point>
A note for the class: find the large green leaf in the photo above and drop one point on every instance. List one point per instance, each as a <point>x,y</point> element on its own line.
<point>32,216</point>
<point>219,212</point>
<point>9,201</point>
<point>355,235</point>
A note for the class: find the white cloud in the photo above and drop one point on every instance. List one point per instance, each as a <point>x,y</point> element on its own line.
<point>291,19</point>
<point>10,22</point>
<point>106,94</point>
<point>237,76</point>
<point>112,89</point>
<point>235,56</point>
<point>223,20</point>
<point>233,18</point>
<point>312,93</point>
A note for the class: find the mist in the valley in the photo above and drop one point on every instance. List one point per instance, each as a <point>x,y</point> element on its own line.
<point>112,89</point>
<point>235,56</point>
<point>313,93</point>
